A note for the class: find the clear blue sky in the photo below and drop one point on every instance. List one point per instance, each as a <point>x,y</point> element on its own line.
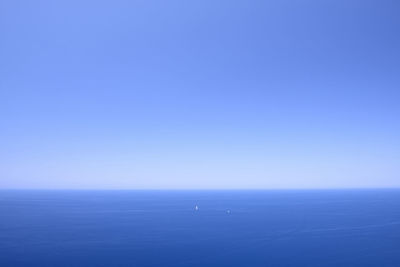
<point>199,94</point>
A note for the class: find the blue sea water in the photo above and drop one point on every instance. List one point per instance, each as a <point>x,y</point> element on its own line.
<point>230,228</point>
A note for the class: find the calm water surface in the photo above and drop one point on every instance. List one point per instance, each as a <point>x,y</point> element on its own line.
<point>230,228</point>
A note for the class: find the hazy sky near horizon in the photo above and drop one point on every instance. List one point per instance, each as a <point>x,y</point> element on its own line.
<point>199,94</point>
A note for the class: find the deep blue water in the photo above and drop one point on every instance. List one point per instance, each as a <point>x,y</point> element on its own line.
<point>162,228</point>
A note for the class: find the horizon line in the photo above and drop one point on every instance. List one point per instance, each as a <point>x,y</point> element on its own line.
<point>201,189</point>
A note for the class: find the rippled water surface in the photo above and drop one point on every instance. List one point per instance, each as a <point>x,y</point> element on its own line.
<point>229,228</point>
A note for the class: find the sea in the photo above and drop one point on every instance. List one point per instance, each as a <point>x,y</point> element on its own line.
<point>40,228</point>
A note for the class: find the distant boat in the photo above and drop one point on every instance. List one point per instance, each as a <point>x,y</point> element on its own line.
<point>196,207</point>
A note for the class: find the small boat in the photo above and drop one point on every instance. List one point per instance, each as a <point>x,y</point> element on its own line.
<point>196,207</point>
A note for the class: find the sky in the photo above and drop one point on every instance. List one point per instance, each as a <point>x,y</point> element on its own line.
<point>199,94</point>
